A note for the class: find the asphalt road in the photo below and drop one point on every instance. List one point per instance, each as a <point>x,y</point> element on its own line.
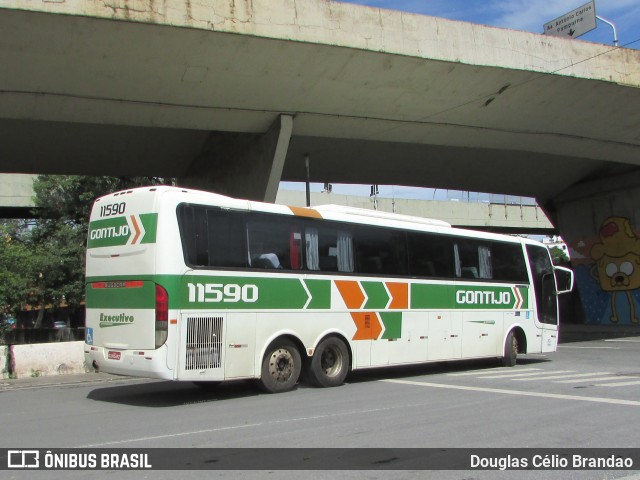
<point>586,395</point>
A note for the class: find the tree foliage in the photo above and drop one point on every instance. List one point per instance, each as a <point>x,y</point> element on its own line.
<point>559,256</point>
<point>42,261</point>
<point>18,266</point>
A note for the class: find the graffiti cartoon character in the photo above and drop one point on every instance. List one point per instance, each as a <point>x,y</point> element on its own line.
<point>617,257</point>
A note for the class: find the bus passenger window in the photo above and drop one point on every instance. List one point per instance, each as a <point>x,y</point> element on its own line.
<point>226,239</point>
<point>193,232</point>
<point>473,259</point>
<point>430,255</point>
<point>508,262</point>
<point>274,242</point>
<point>380,251</point>
<point>329,249</point>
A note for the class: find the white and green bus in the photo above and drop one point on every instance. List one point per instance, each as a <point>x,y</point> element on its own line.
<point>194,286</point>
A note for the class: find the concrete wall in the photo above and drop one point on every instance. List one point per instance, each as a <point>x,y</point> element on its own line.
<point>600,222</point>
<point>16,190</point>
<point>43,359</point>
<point>4,357</point>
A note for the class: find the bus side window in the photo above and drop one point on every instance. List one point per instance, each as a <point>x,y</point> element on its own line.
<point>430,255</point>
<point>226,239</point>
<point>473,259</point>
<point>508,262</point>
<point>380,251</point>
<point>274,242</point>
<point>328,249</point>
<point>194,233</point>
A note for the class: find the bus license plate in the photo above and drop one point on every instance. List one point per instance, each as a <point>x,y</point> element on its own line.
<point>114,355</point>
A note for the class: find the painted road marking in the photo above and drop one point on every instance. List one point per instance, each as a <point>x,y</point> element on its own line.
<point>611,401</point>
<point>265,423</point>
<point>598,379</point>
<point>618,384</point>
<point>553,377</point>
<point>513,376</point>
<point>590,348</point>
<point>491,370</point>
<point>629,340</point>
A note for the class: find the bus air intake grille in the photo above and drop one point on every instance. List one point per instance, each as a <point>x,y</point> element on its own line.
<point>204,343</point>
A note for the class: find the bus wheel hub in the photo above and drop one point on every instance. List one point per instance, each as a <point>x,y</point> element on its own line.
<point>281,365</point>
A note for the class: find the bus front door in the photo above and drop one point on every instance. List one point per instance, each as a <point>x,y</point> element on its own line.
<point>546,300</point>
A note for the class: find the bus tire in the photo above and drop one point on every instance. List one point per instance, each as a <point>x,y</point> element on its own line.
<point>510,350</point>
<point>329,365</point>
<point>281,367</point>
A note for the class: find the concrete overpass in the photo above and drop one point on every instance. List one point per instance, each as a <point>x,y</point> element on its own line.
<point>231,95</point>
<point>179,88</point>
<point>16,200</point>
<point>16,195</point>
<point>514,219</point>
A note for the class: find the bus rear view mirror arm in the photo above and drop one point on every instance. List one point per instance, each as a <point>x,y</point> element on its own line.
<point>564,279</point>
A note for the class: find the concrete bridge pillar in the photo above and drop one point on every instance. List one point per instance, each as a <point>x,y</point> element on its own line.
<point>600,222</point>
<point>242,165</point>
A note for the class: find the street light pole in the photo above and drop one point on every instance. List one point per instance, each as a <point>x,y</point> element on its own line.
<point>306,163</point>
<point>615,33</point>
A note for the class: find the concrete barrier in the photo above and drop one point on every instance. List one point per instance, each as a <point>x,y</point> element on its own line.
<point>42,359</point>
<point>4,359</point>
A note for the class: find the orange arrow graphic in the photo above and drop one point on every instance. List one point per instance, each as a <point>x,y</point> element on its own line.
<point>136,228</point>
<point>368,326</point>
<point>351,293</point>
<point>519,298</point>
<point>400,295</point>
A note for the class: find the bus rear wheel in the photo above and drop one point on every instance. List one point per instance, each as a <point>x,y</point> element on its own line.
<point>281,367</point>
<point>330,363</point>
<point>510,350</point>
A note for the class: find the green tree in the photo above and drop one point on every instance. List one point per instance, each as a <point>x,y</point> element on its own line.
<point>42,261</point>
<point>559,256</point>
<point>19,264</point>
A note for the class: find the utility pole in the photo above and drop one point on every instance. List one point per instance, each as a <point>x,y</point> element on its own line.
<point>306,163</point>
<point>375,191</point>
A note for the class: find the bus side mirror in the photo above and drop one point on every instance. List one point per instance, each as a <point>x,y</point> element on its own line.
<point>564,279</point>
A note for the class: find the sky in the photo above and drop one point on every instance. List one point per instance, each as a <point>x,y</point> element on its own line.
<point>527,15</point>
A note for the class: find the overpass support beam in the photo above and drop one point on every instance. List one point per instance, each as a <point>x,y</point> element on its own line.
<point>600,222</point>
<point>242,165</point>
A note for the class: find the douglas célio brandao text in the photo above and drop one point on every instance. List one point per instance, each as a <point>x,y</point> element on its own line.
<point>550,462</point>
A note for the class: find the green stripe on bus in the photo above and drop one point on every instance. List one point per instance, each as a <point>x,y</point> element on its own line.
<point>118,231</point>
<point>150,224</point>
<point>138,297</point>
<point>484,297</point>
<point>108,232</point>
<point>474,297</point>
<point>432,296</point>
<point>392,325</point>
<point>377,296</point>
<point>320,294</point>
<point>234,293</point>
<point>272,293</point>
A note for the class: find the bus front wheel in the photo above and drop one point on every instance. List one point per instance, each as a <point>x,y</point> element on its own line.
<point>510,350</point>
<point>330,363</point>
<point>281,367</point>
